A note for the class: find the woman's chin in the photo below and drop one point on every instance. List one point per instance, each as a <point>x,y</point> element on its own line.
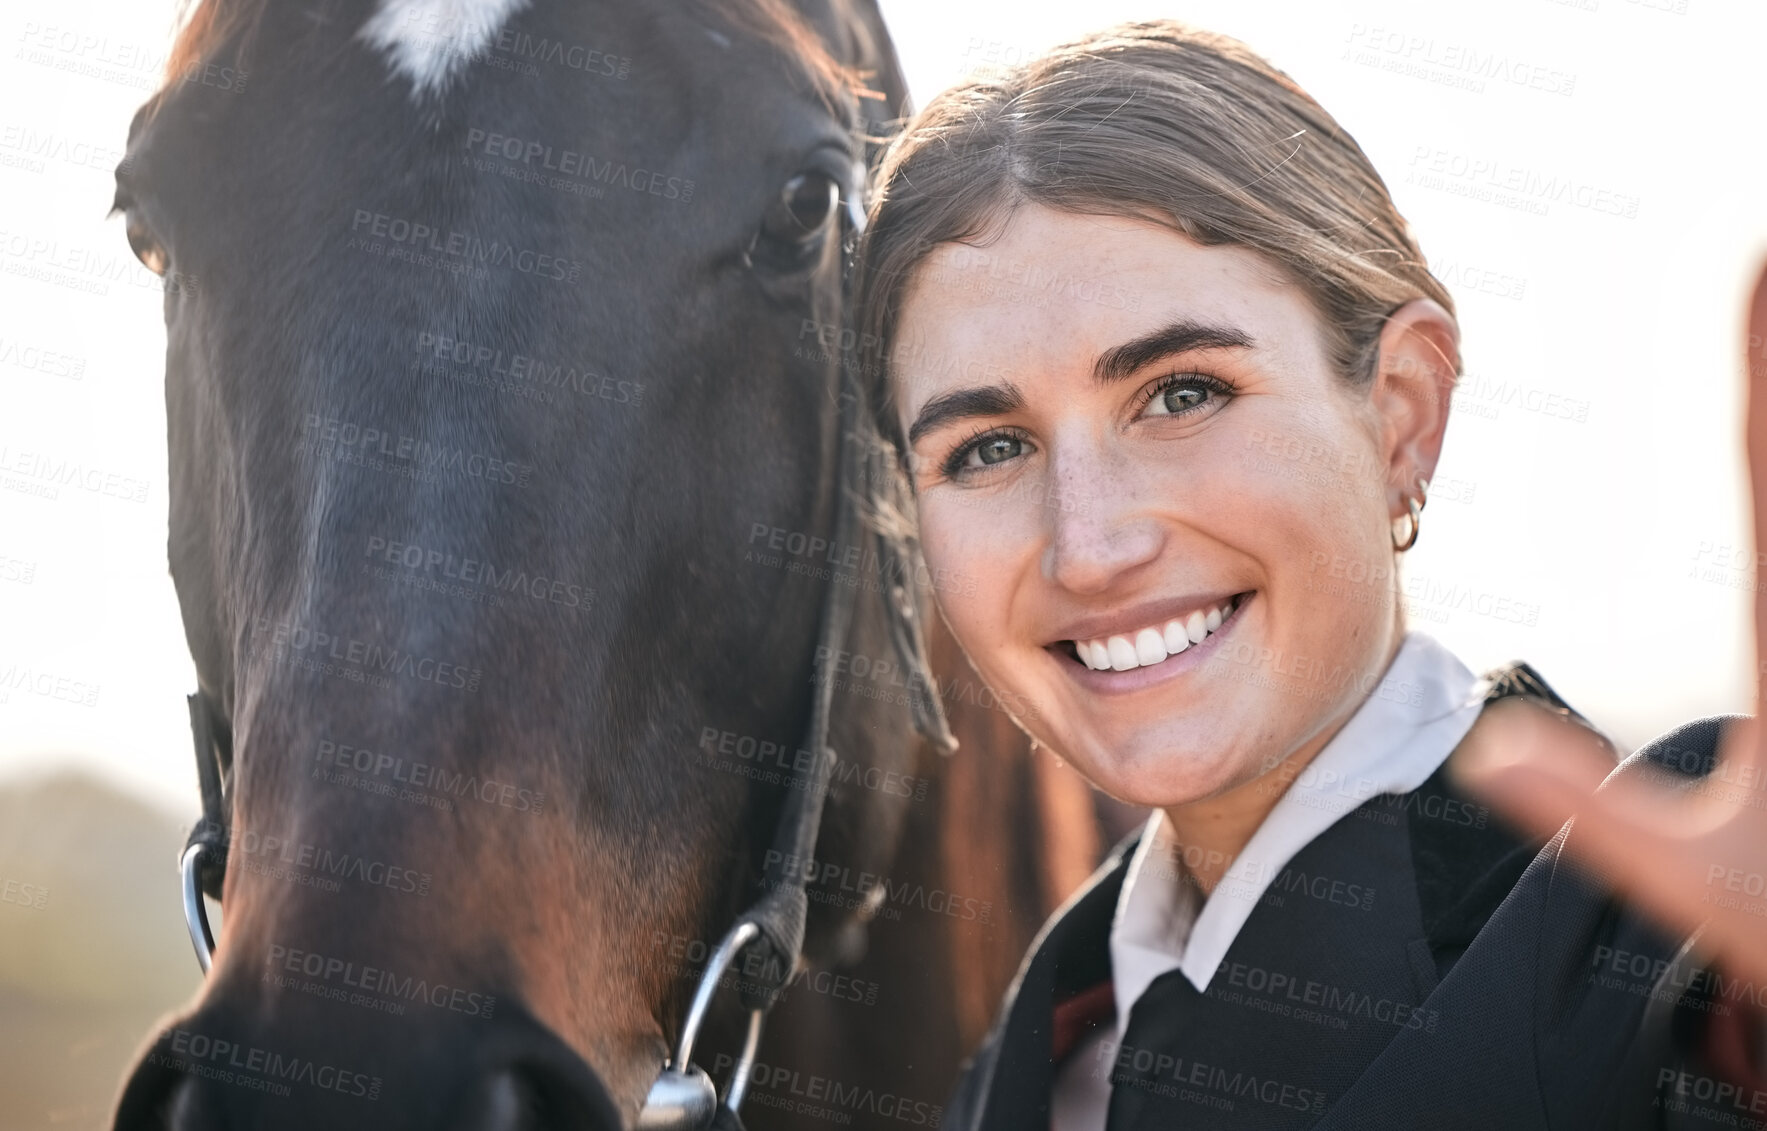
<point>1161,777</point>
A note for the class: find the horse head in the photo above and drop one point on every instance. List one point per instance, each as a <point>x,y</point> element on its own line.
<point>506,420</point>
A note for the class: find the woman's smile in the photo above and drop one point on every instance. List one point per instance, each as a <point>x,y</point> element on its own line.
<point>1148,646</point>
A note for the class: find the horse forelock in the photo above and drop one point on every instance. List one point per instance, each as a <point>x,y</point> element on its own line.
<point>428,41</point>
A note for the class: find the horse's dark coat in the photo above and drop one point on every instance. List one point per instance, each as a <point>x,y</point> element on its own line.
<point>384,539</point>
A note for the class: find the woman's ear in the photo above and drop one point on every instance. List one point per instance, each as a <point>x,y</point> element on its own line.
<point>1415,372</point>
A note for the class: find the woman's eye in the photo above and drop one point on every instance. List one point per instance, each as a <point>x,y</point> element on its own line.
<point>997,449</point>
<point>1183,393</point>
<point>982,452</point>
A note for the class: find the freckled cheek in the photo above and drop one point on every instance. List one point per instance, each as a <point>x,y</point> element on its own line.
<point>1311,524</point>
<point>978,550</point>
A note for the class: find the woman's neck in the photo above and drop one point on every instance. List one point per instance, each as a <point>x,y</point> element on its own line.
<point>1214,830</point>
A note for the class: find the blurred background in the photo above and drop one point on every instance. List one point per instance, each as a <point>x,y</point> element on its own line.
<point>1585,175</point>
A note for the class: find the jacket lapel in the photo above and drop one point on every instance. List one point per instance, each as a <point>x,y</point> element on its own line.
<point>1008,1088</point>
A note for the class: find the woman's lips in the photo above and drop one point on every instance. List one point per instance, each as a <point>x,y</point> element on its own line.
<point>1194,655</point>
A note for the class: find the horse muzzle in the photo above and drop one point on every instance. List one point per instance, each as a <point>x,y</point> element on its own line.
<point>221,1068</point>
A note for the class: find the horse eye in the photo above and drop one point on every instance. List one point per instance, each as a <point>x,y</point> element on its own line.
<point>805,206</point>
<point>146,248</point>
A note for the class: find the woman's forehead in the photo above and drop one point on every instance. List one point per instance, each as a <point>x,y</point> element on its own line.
<point>1056,290</point>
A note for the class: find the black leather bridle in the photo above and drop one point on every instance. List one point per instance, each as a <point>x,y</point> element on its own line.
<point>683,1097</point>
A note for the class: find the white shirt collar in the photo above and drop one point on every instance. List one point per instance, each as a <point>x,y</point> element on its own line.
<point>1406,728</point>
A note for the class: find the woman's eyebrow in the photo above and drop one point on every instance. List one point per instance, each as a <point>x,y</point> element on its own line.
<point>1114,364</point>
<point>1180,336</point>
<point>977,400</point>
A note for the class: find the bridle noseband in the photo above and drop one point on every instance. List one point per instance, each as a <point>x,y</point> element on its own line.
<point>683,1097</point>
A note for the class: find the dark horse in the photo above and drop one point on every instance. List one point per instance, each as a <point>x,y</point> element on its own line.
<point>504,397</point>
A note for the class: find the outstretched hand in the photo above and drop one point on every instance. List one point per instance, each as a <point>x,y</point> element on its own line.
<point>1686,857</point>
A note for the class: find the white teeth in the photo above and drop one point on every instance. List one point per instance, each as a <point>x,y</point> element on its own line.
<point>1152,645</point>
<point>1149,648</point>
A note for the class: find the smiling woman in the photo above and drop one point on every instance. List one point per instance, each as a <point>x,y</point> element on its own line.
<point>1184,505</point>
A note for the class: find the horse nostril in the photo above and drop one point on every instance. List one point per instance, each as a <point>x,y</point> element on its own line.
<point>531,1097</point>
<point>155,1099</point>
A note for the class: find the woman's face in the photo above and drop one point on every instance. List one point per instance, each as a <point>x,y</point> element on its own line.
<point>1158,522</point>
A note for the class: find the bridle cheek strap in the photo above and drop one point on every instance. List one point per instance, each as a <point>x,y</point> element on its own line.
<point>203,864</point>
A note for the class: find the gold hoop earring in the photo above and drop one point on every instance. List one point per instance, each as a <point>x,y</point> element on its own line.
<point>1414,506</point>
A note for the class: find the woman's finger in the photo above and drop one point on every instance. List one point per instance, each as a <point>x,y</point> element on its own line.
<point>1755,367</point>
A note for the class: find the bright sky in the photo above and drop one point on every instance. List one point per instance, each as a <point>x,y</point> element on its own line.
<point>1586,175</point>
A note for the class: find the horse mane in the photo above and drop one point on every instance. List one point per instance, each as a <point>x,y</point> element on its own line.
<point>1015,823</point>
<point>205,25</point>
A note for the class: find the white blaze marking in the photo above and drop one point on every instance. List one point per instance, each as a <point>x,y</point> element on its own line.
<point>427,41</point>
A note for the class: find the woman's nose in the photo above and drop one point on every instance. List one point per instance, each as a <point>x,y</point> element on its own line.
<point>1100,530</point>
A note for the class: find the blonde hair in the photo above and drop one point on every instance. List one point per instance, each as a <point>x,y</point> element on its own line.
<point>1157,121</point>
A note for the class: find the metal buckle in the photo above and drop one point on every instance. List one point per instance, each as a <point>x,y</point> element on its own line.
<point>196,916</point>
<point>683,1098</point>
